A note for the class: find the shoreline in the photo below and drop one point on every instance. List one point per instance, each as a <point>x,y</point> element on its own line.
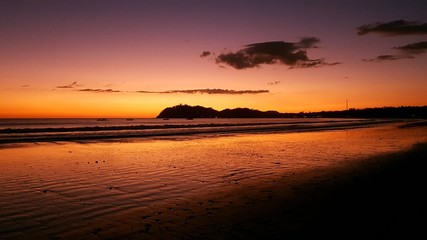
<point>118,133</point>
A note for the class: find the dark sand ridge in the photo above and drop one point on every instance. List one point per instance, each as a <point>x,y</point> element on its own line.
<point>375,198</point>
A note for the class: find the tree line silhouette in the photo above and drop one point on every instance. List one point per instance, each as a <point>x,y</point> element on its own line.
<point>186,111</point>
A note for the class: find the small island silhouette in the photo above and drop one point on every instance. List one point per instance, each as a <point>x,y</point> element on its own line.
<point>191,112</point>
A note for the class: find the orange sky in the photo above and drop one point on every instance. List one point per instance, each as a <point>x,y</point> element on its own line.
<point>134,58</point>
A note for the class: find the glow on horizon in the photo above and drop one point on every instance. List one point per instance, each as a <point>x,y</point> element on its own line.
<point>134,52</point>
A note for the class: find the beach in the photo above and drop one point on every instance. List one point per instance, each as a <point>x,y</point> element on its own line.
<point>213,120</point>
<point>337,183</point>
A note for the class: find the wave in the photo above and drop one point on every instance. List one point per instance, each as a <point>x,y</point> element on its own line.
<point>53,134</point>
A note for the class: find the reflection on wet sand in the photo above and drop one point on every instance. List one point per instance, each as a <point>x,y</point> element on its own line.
<point>175,188</point>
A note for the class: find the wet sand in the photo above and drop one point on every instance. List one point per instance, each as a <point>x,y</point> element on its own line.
<point>365,183</point>
<point>383,199</point>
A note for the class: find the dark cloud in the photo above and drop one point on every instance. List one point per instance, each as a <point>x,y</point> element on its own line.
<point>97,90</point>
<point>407,52</point>
<point>398,27</point>
<point>414,48</point>
<point>395,28</point>
<point>292,54</point>
<point>205,54</point>
<point>25,86</point>
<point>382,58</point>
<point>316,63</point>
<point>72,85</point>
<point>209,91</point>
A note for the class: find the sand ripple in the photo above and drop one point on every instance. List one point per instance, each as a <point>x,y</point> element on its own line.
<point>50,190</point>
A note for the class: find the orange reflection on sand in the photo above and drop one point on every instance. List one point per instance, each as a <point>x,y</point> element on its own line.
<point>67,185</point>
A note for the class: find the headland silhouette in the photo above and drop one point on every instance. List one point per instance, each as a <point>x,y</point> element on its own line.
<point>186,111</point>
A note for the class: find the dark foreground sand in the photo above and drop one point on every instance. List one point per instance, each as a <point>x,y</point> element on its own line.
<point>379,198</point>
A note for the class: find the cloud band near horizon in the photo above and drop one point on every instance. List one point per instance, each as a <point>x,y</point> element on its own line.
<point>75,86</point>
<point>209,91</point>
<point>190,91</point>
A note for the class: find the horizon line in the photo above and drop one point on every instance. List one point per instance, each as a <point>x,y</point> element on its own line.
<point>130,117</point>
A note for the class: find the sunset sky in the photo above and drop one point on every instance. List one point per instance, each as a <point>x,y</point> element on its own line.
<point>134,58</point>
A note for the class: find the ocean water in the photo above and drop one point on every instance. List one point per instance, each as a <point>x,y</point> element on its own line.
<point>42,130</point>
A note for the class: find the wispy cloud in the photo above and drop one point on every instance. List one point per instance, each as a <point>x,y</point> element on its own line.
<point>98,90</point>
<point>205,54</point>
<point>398,27</point>
<point>408,51</point>
<point>382,58</point>
<point>291,54</point>
<point>208,91</point>
<point>190,91</point>
<point>72,85</point>
<point>274,83</point>
<point>414,48</point>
